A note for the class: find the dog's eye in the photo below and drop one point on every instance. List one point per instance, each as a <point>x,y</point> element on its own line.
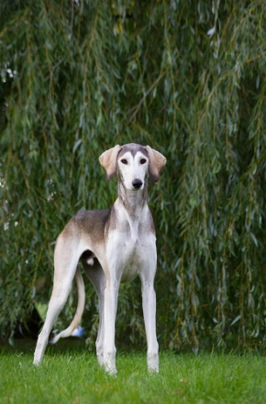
<point>143,161</point>
<point>124,161</point>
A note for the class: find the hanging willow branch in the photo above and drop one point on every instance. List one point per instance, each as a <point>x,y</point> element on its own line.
<point>185,77</point>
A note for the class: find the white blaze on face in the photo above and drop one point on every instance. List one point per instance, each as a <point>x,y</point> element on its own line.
<point>133,167</point>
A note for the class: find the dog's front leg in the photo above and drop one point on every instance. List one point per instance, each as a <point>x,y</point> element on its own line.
<point>110,307</point>
<point>149,309</point>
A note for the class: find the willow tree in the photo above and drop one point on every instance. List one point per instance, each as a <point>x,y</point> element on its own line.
<point>185,77</point>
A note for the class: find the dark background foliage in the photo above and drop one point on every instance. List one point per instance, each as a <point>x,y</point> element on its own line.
<point>185,77</point>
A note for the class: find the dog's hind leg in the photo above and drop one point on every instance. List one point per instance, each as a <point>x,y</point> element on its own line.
<point>65,262</point>
<point>79,311</point>
<point>98,278</point>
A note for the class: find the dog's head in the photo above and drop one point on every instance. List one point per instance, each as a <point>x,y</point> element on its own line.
<point>133,162</point>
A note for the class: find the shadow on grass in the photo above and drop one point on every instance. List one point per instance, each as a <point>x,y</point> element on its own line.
<point>27,346</point>
<point>69,345</point>
<point>79,346</point>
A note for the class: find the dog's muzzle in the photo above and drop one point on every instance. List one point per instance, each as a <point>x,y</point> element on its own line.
<point>137,183</point>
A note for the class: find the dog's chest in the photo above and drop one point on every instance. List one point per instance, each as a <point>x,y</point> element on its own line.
<point>131,261</point>
<point>134,257</point>
<point>131,248</point>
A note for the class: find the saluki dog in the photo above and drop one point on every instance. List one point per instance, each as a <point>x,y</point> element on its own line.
<point>114,246</point>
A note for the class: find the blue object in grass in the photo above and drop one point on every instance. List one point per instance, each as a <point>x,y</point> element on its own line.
<point>78,332</point>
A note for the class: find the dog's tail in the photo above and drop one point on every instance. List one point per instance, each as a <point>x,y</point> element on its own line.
<point>80,308</point>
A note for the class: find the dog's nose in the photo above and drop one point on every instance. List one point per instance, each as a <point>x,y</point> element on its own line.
<point>137,183</point>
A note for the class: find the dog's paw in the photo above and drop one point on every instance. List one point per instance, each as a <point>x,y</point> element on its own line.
<point>152,369</point>
<point>153,363</point>
<point>111,372</point>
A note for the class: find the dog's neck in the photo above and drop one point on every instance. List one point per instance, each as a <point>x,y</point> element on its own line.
<point>133,200</point>
<point>132,207</point>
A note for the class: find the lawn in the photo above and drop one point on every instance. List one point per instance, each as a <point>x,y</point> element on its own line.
<point>70,374</point>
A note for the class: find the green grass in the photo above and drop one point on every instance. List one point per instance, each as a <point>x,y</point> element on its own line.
<point>69,374</point>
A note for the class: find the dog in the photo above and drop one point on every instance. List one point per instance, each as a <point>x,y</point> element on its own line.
<point>114,246</point>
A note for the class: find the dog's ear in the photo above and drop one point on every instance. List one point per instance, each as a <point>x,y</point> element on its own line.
<point>109,161</point>
<point>156,163</point>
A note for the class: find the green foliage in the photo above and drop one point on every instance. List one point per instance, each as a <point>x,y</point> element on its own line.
<point>185,77</point>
